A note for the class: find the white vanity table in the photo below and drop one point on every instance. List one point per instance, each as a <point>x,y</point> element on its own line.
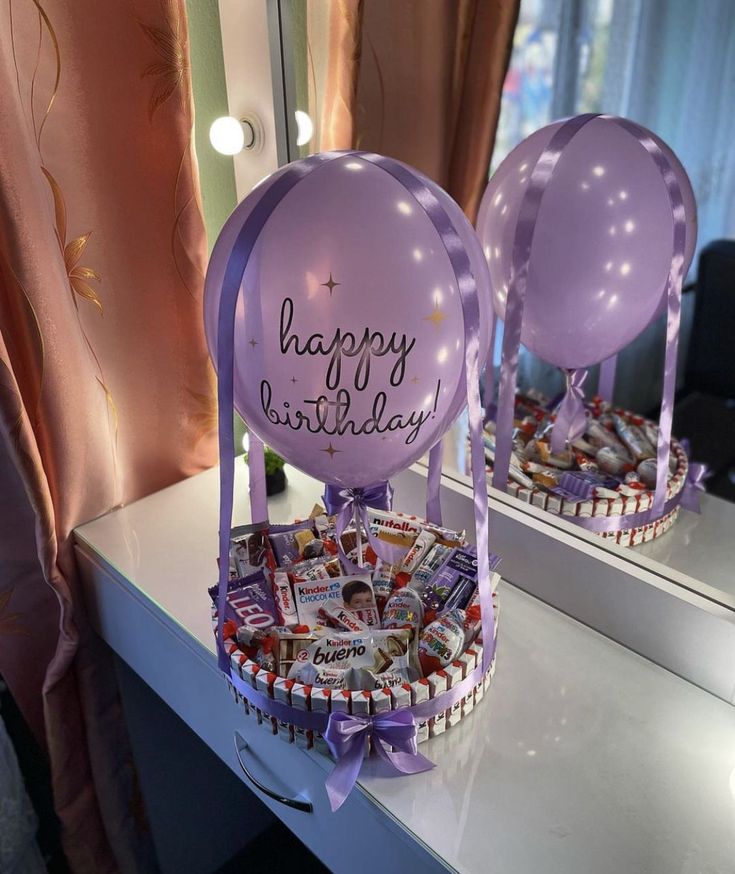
<point>584,758</point>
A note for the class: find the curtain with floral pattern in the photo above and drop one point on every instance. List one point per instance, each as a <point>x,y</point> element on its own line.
<point>106,393</point>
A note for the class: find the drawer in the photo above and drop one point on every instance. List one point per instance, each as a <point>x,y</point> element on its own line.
<point>185,675</point>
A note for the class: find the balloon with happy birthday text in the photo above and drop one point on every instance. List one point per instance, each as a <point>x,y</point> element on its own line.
<point>349,330</point>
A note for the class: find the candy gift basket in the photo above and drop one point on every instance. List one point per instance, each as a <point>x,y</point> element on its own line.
<point>357,630</point>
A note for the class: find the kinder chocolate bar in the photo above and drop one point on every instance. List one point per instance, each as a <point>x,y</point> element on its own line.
<point>249,600</point>
<point>384,582</point>
<point>454,677</point>
<point>441,641</point>
<point>352,592</point>
<point>468,663</point>
<point>376,651</point>
<point>284,599</point>
<point>282,692</point>
<point>634,439</point>
<point>430,565</point>
<point>437,684</point>
<point>337,616</point>
<point>420,692</point>
<point>264,681</point>
<point>301,700</point>
<point>403,610</point>
<point>414,556</point>
<point>400,695</point>
<point>320,703</point>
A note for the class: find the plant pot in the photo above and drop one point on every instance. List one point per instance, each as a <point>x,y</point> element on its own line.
<point>275,482</point>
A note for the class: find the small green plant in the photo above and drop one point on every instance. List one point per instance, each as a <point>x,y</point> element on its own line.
<point>273,461</point>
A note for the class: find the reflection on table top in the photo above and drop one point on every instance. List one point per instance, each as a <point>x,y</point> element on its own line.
<point>696,552</point>
<point>583,757</point>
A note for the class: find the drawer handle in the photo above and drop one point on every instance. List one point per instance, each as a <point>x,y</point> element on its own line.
<point>295,803</point>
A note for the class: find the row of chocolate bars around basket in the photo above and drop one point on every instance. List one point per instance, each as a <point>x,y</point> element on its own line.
<point>303,627</point>
<point>610,470</point>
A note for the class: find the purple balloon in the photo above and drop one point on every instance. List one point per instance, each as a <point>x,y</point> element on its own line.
<point>349,330</point>
<point>602,245</point>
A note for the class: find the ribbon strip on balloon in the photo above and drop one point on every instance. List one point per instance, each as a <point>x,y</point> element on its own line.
<point>234,273</point>
<point>522,244</point>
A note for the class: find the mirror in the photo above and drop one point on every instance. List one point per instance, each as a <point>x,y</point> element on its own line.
<point>659,63</point>
<point>427,89</point>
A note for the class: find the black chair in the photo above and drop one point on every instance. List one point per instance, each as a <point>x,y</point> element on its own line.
<point>705,408</point>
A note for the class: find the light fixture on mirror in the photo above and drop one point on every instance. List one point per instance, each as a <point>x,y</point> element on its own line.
<point>230,136</point>
<point>304,127</point>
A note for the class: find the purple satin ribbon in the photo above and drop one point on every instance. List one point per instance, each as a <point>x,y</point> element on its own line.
<point>351,505</point>
<point>694,486</point>
<point>396,728</point>
<point>523,240</point>
<point>234,273</point>
<point>433,484</point>
<point>571,417</point>
<point>347,736</point>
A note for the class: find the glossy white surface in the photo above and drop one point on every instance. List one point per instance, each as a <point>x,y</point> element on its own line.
<point>696,552</point>
<point>584,757</point>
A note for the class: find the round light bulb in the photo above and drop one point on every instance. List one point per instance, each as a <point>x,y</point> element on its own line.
<point>227,135</point>
<point>304,128</point>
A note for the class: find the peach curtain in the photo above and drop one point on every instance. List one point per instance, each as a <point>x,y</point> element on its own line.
<point>420,80</point>
<point>106,393</point>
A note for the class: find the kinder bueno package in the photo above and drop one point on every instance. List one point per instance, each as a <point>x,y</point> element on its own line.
<point>377,652</point>
<point>353,593</point>
<point>250,601</point>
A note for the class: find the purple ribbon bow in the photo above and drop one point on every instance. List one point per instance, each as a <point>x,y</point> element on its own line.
<point>571,417</point>
<point>347,737</point>
<point>694,485</point>
<point>348,504</point>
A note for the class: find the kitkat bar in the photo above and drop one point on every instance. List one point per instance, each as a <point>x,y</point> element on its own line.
<point>264,681</point>
<point>282,692</point>
<point>301,700</point>
<point>437,685</point>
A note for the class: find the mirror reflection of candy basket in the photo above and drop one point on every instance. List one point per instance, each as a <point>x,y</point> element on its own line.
<point>323,248</point>
<point>598,476</point>
<point>589,227</point>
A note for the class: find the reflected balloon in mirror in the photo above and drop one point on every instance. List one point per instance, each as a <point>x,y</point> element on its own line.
<point>602,244</point>
<point>349,329</point>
